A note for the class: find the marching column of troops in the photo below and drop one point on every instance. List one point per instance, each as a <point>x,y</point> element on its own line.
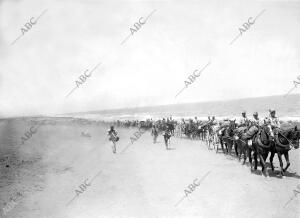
<point>265,135</point>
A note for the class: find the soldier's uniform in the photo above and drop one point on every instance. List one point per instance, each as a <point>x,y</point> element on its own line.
<point>273,123</point>
<point>244,121</point>
<point>113,137</point>
<point>256,121</point>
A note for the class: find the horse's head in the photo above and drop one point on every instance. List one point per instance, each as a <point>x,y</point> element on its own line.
<point>266,133</point>
<point>231,127</point>
<point>294,135</point>
<point>232,124</point>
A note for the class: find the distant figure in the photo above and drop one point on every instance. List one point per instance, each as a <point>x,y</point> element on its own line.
<point>167,135</point>
<point>154,133</point>
<point>113,136</point>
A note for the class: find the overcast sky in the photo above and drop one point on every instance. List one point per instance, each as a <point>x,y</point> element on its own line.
<point>40,69</point>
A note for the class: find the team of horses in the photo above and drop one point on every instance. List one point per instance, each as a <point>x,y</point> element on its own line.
<point>252,142</point>
<point>255,145</point>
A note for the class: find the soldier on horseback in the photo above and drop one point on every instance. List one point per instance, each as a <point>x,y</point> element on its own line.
<point>273,123</point>
<point>256,121</point>
<point>244,121</point>
<point>253,127</point>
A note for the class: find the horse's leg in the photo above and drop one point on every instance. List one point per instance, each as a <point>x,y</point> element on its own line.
<point>242,152</point>
<point>286,156</point>
<point>280,162</point>
<point>262,162</point>
<point>255,160</point>
<point>245,153</point>
<point>215,141</point>
<point>114,147</point>
<point>265,159</point>
<point>207,142</point>
<point>271,159</point>
<point>236,150</point>
<point>167,143</point>
<point>222,145</point>
<point>239,150</point>
<point>249,151</point>
<point>230,147</point>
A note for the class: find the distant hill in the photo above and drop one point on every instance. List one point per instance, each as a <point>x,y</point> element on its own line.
<point>285,106</point>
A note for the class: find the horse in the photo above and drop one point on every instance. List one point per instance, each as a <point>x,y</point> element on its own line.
<point>188,130</point>
<point>242,136</point>
<point>241,144</point>
<point>261,145</point>
<point>227,136</point>
<point>283,142</point>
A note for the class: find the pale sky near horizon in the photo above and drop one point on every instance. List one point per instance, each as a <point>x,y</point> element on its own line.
<point>40,69</point>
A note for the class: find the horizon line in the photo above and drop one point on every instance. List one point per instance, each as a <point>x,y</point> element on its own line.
<point>141,107</point>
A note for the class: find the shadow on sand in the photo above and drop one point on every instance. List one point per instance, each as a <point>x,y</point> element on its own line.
<point>270,173</point>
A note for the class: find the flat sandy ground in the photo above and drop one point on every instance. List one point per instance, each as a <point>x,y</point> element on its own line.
<point>145,181</point>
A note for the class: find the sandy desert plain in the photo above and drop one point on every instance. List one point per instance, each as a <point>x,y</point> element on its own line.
<point>146,180</point>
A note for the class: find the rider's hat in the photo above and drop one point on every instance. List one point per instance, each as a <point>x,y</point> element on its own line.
<point>272,111</point>
<point>255,114</point>
<point>244,112</point>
